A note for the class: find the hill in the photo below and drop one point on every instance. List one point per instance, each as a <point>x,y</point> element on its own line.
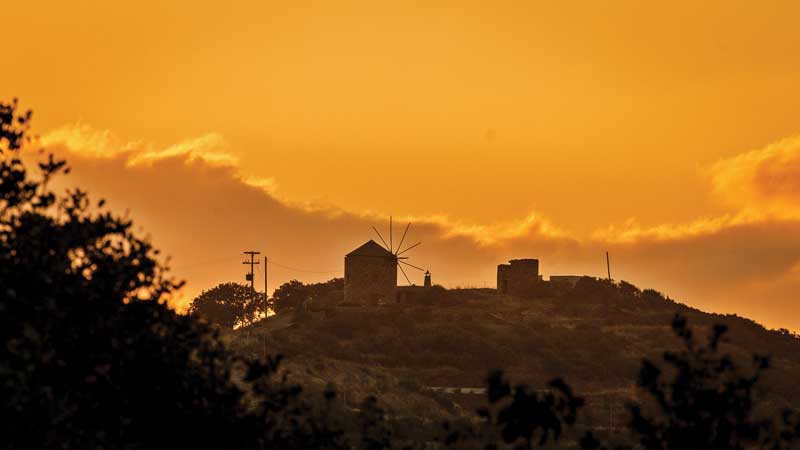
<point>593,335</point>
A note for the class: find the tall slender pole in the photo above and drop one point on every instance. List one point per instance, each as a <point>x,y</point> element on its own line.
<point>266,296</point>
<point>608,265</point>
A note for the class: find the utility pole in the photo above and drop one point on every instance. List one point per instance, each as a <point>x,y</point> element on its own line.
<point>610,414</point>
<point>608,266</point>
<point>266,296</point>
<point>249,277</point>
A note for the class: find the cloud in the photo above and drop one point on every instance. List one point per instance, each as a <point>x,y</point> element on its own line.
<point>204,148</point>
<point>203,212</point>
<point>82,140</point>
<point>632,232</point>
<point>766,180</point>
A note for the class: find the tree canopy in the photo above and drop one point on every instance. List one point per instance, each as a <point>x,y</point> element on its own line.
<point>294,293</point>
<point>228,304</point>
<point>90,355</point>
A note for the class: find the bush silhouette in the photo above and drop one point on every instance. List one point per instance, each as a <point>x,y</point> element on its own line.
<point>90,356</point>
<point>292,294</point>
<point>701,398</point>
<point>228,304</point>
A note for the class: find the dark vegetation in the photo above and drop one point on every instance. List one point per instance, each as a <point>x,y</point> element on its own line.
<point>295,294</point>
<point>594,335</point>
<point>228,305</point>
<point>92,358</point>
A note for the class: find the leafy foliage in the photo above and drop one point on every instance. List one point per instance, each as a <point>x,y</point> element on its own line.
<point>517,417</point>
<point>91,357</point>
<point>67,275</point>
<point>707,404</point>
<point>228,304</point>
<point>530,418</point>
<point>289,295</point>
<point>294,293</point>
<point>704,400</point>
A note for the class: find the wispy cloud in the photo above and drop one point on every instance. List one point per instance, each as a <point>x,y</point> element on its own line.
<point>82,139</point>
<point>206,148</point>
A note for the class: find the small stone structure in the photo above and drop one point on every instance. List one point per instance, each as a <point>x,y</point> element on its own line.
<point>518,276</point>
<point>410,294</point>
<point>566,280</point>
<point>370,275</point>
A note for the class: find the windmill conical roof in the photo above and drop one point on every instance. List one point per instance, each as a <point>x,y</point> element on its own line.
<point>371,248</point>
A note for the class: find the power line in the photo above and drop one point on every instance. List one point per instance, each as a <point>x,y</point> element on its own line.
<point>297,269</point>
<point>202,263</point>
<point>272,262</point>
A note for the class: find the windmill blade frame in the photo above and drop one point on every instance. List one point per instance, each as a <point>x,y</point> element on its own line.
<point>381,237</point>
<point>404,274</point>
<point>400,245</point>
<point>397,252</point>
<point>409,248</point>
<point>411,265</point>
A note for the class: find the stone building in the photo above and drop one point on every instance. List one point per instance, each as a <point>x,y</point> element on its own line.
<point>518,276</point>
<point>566,280</point>
<point>370,275</point>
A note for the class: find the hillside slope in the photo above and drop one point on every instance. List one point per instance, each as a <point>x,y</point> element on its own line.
<point>594,336</point>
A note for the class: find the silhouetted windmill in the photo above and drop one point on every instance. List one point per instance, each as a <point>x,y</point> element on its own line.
<point>398,252</point>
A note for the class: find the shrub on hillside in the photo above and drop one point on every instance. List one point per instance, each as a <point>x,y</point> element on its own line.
<point>434,295</point>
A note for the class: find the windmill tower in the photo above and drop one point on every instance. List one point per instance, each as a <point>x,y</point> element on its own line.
<point>370,271</point>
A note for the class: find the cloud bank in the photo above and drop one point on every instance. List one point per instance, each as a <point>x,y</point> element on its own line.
<point>200,210</point>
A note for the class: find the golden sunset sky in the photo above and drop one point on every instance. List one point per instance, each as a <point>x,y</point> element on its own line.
<point>666,133</point>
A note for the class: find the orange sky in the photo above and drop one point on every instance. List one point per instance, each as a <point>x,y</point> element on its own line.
<point>550,129</point>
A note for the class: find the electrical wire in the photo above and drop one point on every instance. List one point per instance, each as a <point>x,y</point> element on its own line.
<point>272,262</point>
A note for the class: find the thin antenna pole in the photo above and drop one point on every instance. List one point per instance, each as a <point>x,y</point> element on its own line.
<point>608,265</point>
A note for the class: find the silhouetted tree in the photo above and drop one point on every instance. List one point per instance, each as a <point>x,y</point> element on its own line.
<point>526,418</point>
<point>628,290</point>
<point>518,417</point>
<point>703,400</point>
<point>375,434</point>
<point>289,295</point>
<point>294,293</point>
<point>91,357</point>
<point>228,304</point>
<point>652,295</point>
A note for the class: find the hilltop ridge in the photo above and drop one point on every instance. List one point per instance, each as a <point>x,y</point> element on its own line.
<point>593,335</point>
